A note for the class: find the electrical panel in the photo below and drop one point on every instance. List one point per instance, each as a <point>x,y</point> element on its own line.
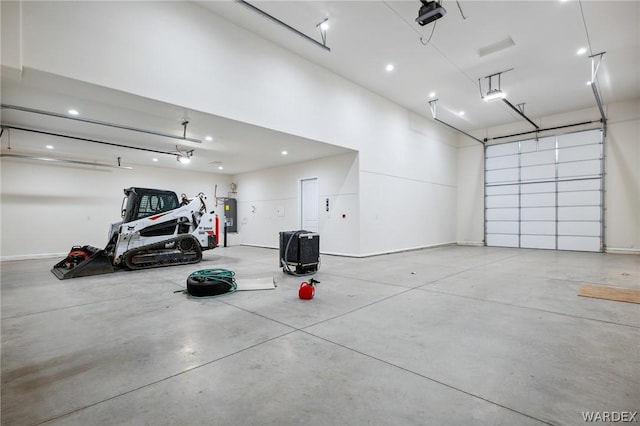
<point>231,214</point>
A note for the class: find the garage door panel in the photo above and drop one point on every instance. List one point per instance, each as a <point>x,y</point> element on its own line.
<point>543,144</point>
<point>500,240</point>
<point>502,190</point>
<point>509,161</point>
<point>538,213</point>
<point>538,187</point>
<point>579,198</point>
<point>569,214</point>
<point>536,158</point>
<point>502,175</point>
<point>579,243</point>
<point>584,152</point>
<point>495,201</point>
<point>502,227</point>
<point>502,149</point>
<point>582,229</point>
<point>579,169</point>
<point>538,241</point>
<point>502,214</point>
<point>580,185</point>
<point>538,200</point>
<point>537,173</point>
<point>538,228</point>
<point>580,138</point>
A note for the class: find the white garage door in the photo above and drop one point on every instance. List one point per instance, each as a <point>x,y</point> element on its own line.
<point>546,193</point>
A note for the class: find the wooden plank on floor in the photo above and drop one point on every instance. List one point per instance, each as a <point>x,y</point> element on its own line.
<point>618,294</point>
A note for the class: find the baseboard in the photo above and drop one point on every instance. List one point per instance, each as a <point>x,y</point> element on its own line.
<point>615,250</point>
<point>471,243</point>
<point>259,246</point>
<point>33,256</point>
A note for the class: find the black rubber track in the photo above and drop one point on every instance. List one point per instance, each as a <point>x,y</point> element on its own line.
<point>187,246</point>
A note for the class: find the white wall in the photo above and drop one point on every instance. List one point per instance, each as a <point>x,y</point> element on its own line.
<point>48,207</point>
<point>269,203</point>
<point>470,195</point>
<point>622,181</point>
<point>200,61</point>
<point>11,39</point>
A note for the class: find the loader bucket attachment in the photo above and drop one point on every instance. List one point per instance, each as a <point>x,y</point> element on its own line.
<point>82,262</point>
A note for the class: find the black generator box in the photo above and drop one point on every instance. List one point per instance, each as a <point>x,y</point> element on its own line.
<point>299,252</point>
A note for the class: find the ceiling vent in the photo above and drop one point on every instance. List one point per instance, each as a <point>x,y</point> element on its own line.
<point>503,44</point>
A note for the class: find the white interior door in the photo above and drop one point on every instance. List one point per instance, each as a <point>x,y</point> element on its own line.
<point>309,204</point>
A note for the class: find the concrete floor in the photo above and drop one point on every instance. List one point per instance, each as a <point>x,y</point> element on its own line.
<point>444,336</point>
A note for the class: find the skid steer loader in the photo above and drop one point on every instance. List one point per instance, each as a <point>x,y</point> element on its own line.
<point>157,229</point>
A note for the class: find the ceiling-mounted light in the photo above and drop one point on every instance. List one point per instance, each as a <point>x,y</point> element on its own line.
<point>494,93</point>
<point>389,67</point>
<point>184,157</point>
<point>497,94</point>
<point>73,112</point>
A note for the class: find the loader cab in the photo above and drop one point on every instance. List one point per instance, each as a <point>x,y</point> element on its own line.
<point>144,202</point>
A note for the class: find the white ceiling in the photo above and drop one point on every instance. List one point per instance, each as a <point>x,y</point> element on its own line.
<point>364,36</point>
<point>548,76</point>
<point>237,147</point>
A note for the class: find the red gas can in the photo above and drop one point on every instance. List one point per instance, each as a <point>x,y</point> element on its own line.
<point>307,289</point>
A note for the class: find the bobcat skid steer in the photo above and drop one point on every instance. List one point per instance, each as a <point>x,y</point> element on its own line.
<point>157,229</point>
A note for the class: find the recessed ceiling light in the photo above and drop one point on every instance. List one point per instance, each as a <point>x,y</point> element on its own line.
<point>208,138</point>
<point>581,51</point>
<point>432,94</point>
<point>324,26</point>
<point>220,168</point>
<point>73,112</point>
<point>461,113</point>
<point>49,147</point>
<point>285,153</point>
<point>155,160</point>
<point>389,67</point>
